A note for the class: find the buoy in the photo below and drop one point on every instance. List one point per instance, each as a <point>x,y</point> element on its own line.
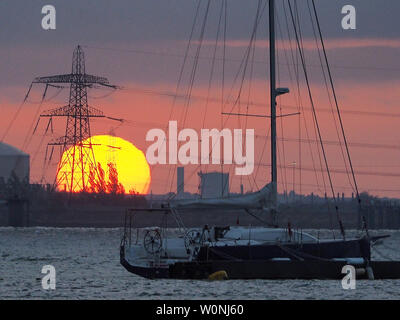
<point>219,275</point>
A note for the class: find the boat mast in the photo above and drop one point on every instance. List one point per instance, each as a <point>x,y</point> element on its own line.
<point>274,92</point>
<point>274,175</point>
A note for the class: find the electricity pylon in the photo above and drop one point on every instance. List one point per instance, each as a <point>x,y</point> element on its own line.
<point>80,156</point>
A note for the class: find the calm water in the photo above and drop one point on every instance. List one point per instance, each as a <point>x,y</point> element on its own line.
<point>87,265</point>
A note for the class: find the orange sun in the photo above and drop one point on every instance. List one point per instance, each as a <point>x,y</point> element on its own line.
<point>121,167</point>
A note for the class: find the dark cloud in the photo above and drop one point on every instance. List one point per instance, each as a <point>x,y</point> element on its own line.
<point>155,25</point>
<point>98,21</point>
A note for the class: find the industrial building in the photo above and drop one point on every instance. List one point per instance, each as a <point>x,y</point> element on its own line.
<point>13,160</point>
<point>214,184</point>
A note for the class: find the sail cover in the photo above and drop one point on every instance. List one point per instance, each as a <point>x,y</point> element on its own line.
<point>262,199</point>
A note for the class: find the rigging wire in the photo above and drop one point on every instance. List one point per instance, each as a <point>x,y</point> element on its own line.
<point>210,80</point>
<point>253,49</point>
<point>245,62</point>
<point>223,78</point>
<point>300,108</point>
<point>336,103</point>
<point>316,121</point>
<point>320,150</point>
<point>242,64</point>
<point>248,105</point>
<point>249,56</point>
<point>284,173</point>
<point>328,93</point>
<point>183,67</point>
<point>193,74</point>
<point>263,150</point>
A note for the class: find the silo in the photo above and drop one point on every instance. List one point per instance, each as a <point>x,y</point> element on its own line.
<point>13,159</point>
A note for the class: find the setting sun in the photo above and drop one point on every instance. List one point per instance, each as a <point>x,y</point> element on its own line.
<point>120,167</point>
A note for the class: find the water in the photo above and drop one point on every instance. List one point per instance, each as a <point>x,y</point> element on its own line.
<point>87,266</point>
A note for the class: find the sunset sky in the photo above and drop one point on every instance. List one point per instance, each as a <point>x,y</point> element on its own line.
<point>140,45</point>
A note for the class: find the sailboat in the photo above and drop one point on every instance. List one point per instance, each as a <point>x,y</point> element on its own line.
<point>271,252</point>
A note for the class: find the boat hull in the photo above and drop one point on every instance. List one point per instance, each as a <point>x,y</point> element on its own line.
<point>295,251</point>
<point>263,269</point>
<point>145,272</point>
<point>275,270</point>
<point>307,261</point>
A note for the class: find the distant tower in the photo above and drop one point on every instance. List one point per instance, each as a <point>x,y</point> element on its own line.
<point>78,113</point>
<point>180,181</point>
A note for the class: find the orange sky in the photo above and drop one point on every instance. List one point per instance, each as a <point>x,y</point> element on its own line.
<point>144,110</point>
<point>143,50</point>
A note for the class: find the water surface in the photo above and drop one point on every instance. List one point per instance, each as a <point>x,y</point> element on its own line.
<point>87,267</point>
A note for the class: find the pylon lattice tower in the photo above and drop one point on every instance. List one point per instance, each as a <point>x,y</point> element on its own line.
<point>79,159</point>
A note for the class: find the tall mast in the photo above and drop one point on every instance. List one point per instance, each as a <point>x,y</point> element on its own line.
<point>274,176</point>
<point>274,92</point>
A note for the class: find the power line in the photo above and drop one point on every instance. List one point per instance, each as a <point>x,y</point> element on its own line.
<point>331,142</point>
<point>180,55</point>
<point>145,124</point>
<point>259,104</point>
